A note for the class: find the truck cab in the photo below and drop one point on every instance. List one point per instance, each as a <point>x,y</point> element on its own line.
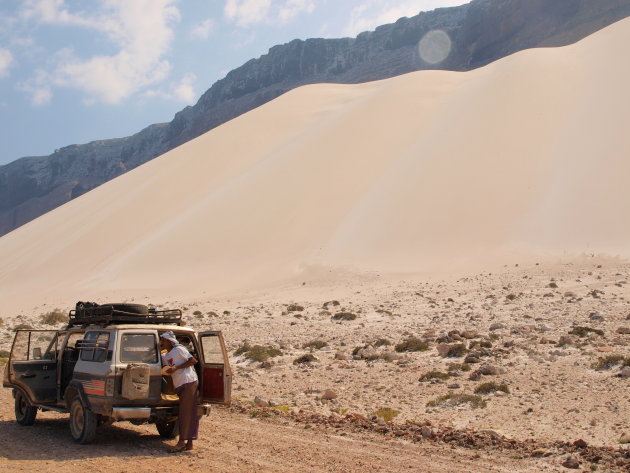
<point>105,366</point>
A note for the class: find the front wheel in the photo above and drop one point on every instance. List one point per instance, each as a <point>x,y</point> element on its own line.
<point>24,412</point>
<point>166,429</point>
<point>82,422</point>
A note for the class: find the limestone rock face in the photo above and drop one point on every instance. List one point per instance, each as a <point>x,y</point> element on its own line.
<point>480,32</point>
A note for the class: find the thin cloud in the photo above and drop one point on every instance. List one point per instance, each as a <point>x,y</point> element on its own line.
<point>182,91</point>
<point>141,29</point>
<point>246,13</point>
<point>372,13</point>
<point>6,58</point>
<point>203,29</point>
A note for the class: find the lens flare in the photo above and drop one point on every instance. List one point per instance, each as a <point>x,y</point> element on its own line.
<point>434,47</point>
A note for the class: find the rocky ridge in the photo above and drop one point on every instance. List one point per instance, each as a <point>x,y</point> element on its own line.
<point>481,32</point>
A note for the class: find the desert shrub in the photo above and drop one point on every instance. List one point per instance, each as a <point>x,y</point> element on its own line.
<point>584,331</point>
<point>458,367</point>
<point>295,308</point>
<point>344,316</point>
<point>492,387</point>
<point>511,297</point>
<point>1,322</point>
<point>610,361</point>
<point>54,317</point>
<point>411,344</point>
<point>212,314</point>
<point>316,344</point>
<point>434,375</point>
<point>197,312</point>
<point>3,361</point>
<point>386,413</point>
<point>282,408</point>
<point>454,400</point>
<point>382,342</point>
<point>244,348</point>
<point>4,353</point>
<point>552,285</point>
<point>457,350</point>
<point>356,350</point>
<point>262,353</point>
<point>22,327</point>
<point>308,358</point>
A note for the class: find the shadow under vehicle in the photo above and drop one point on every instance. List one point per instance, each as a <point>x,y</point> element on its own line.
<point>105,366</point>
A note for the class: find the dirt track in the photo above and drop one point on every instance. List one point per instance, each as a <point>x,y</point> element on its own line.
<point>234,442</point>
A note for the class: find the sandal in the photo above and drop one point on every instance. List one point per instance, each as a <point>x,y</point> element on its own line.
<point>177,448</point>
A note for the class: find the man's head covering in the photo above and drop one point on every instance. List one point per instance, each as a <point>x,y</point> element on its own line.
<point>170,336</point>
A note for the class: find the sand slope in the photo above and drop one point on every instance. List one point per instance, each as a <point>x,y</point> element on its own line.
<point>426,171</point>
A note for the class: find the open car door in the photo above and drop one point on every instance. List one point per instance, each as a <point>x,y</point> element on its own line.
<point>216,374</point>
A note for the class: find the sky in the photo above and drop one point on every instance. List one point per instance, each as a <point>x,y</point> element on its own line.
<point>74,71</point>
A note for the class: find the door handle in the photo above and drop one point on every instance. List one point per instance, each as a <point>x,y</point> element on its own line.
<point>24,376</point>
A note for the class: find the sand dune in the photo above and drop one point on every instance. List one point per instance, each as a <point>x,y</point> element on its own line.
<point>427,171</point>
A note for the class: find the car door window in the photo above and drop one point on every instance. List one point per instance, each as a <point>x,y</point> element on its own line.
<point>139,348</point>
<point>34,345</point>
<point>212,352</point>
<point>95,346</point>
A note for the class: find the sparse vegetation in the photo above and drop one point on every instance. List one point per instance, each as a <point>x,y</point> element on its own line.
<point>3,361</point>
<point>412,344</point>
<point>308,358</point>
<point>4,353</point>
<point>295,308</point>
<point>257,352</point>
<point>262,353</point>
<point>386,413</point>
<point>584,331</point>
<point>344,316</point>
<point>458,367</point>
<point>315,344</point>
<point>382,342</point>
<point>492,387</point>
<point>54,317</point>
<point>457,350</point>
<point>22,327</point>
<point>610,361</point>
<point>454,400</point>
<point>434,375</point>
<point>197,313</point>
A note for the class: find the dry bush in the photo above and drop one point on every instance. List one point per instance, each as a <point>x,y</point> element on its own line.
<point>411,345</point>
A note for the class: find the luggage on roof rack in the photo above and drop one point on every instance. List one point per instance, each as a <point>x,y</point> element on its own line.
<point>87,313</point>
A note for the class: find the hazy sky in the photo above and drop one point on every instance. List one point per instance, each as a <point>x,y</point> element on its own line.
<point>73,71</point>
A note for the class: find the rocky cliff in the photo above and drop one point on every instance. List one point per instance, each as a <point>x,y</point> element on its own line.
<point>481,32</point>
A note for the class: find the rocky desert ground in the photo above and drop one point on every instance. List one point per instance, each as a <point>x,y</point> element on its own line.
<point>525,367</point>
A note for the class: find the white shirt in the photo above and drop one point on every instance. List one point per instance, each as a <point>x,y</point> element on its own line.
<point>177,356</point>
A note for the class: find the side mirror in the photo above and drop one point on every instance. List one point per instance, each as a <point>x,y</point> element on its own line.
<point>37,353</point>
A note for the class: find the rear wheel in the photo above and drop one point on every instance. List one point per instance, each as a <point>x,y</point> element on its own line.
<point>166,429</point>
<point>82,422</point>
<point>24,412</point>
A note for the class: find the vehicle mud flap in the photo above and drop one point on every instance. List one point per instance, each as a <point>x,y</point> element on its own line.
<point>135,381</point>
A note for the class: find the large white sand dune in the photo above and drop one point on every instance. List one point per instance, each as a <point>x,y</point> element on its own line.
<point>430,170</point>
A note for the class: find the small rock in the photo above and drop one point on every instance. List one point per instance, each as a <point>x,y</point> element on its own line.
<point>625,372</point>
<point>469,334</point>
<point>443,349</point>
<point>427,432</point>
<point>261,402</point>
<point>453,386</point>
<point>623,330</point>
<point>491,370</point>
<point>341,356</point>
<point>580,443</point>
<point>472,359</point>
<point>329,395</point>
<point>594,316</point>
<point>497,326</point>
<point>571,462</point>
<point>625,438</point>
<point>570,295</point>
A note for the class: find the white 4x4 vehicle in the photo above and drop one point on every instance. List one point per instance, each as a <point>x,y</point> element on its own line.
<point>105,366</point>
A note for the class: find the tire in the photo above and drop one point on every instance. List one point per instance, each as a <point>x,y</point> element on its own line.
<point>166,429</point>
<point>24,412</point>
<point>82,422</point>
<point>139,309</point>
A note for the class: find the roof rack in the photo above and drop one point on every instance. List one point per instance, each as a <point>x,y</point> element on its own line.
<point>106,314</point>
